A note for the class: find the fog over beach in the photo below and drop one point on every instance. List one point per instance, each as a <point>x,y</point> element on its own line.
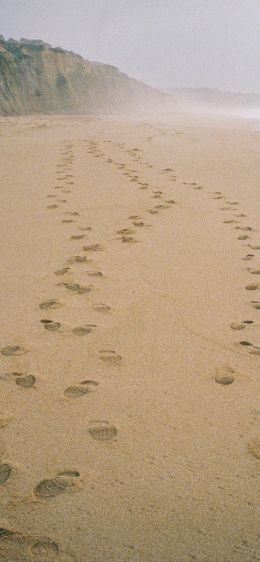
<point>130,281</point>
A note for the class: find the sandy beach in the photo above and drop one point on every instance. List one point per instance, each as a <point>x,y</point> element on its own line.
<point>130,342</point>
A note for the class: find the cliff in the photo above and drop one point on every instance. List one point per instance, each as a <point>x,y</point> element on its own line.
<point>36,78</point>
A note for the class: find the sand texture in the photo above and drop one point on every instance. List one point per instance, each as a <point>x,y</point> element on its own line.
<point>130,342</point>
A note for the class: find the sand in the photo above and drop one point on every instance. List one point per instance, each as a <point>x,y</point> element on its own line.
<point>130,303</point>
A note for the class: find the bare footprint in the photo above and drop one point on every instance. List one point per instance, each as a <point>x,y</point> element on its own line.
<point>81,389</point>
<point>110,357</point>
<point>102,430</point>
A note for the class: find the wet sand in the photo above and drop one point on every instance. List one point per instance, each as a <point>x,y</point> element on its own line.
<point>130,343</point>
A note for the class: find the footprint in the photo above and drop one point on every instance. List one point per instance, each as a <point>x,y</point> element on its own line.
<point>237,326</point>
<point>77,236</point>
<point>25,381</point>
<point>256,305</point>
<point>253,447</point>
<point>50,325</point>
<point>101,307</point>
<point>62,271</point>
<point>153,212</point>
<point>243,237</point>
<point>52,206</point>
<point>248,257</point>
<point>162,206</point>
<point>49,488</point>
<point>254,271</point>
<point>67,221</point>
<point>95,273</point>
<point>13,350</point>
<point>93,248</point>
<point>138,223</point>
<point>128,239</point>
<point>257,247</point>
<point>5,472</point>
<point>102,431</point>
<point>50,304</point>
<point>81,389</point>
<point>110,357</point>
<point>14,547</point>
<point>83,330</point>
<point>78,259</point>
<point>252,286</point>
<point>254,350</point>
<point>5,419</point>
<point>76,288</point>
<point>225,375</point>
<point>126,231</point>
<point>244,228</point>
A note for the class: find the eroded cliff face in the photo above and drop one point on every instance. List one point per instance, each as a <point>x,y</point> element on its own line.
<point>36,78</point>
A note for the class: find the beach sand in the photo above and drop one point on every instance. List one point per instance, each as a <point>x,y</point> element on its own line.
<point>130,343</point>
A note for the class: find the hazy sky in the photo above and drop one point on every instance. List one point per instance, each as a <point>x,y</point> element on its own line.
<point>166,43</point>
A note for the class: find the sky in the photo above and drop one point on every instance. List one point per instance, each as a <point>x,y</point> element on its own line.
<point>165,43</point>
